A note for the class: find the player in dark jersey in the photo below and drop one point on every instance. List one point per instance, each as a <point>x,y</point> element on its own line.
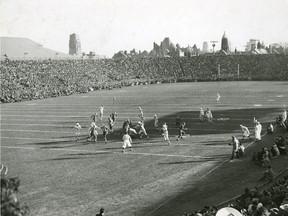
<point>181,131</point>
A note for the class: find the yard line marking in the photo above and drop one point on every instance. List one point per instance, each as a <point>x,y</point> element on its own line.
<point>38,131</point>
<point>18,147</point>
<point>168,155</point>
<point>33,138</point>
<point>29,124</point>
<point>102,151</point>
<point>58,149</point>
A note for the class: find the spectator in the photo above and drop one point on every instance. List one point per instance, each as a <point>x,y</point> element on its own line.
<point>235,147</point>
<point>101,212</point>
<point>268,175</point>
<point>270,128</point>
<point>241,150</point>
<point>274,151</point>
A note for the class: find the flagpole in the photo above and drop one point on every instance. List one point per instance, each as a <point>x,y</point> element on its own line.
<point>218,73</point>
<point>238,72</point>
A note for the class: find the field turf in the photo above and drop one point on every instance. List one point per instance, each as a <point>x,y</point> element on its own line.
<point>60,176</point>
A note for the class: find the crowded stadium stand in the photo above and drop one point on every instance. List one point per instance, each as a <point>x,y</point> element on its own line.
<point>37,79</point>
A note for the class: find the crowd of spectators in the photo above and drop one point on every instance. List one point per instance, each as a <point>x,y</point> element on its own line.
<point>10,205</point>
<point>263,157</point>
<point>37,79</point>
<point>271,201</point>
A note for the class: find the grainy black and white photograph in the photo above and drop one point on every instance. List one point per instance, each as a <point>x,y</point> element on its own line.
<point>144,108</point>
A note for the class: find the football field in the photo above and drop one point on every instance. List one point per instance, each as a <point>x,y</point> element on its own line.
<point>60,176</point>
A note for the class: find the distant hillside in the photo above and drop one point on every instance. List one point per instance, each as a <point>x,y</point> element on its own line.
<point>24,48</point>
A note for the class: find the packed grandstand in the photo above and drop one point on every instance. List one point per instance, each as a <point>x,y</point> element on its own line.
<point>37,79</point>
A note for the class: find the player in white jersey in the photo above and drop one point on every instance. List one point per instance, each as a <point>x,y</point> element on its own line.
<point>3,170</point>
<point>155,121</point>
<point>77,128</point>
<point>165,133</point>
<point>101,111</point>
<point>257,131</point>
<point>283,118</point>
<point>201,115</point>
<point>127,142</point>
<point>245,132</point>
<point>218,98</point>
<point>141,114</point>
<point>142,130</point>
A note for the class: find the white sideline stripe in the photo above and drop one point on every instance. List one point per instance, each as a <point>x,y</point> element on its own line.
<point>58,149</point>
<point>50,125</point>
<point>17,147</point>
<point>33,138</point>
<point>118,152</point>
<point>168,155</point>
<point>38,131</point>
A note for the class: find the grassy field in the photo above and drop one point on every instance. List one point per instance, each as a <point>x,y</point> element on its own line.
<point>60,176</point>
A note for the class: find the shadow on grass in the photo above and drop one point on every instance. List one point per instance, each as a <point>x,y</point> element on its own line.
<point>195,127</point>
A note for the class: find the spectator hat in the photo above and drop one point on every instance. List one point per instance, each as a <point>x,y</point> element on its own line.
<point>284,207</point>
<point>274,211</point>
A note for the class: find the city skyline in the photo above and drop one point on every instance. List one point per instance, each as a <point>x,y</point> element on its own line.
<point>109,26</point>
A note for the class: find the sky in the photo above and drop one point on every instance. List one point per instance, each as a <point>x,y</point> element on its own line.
<point>108,26</point>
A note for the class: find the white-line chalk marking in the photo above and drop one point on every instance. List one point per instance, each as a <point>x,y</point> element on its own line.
<point>258,105</point>
<point>33,138</point>
<point>101,151</point>
<point>38,131</point>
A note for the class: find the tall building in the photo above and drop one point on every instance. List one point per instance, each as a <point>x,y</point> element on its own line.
<point>205,48</point>
<point>74,45</point>
<point>224,43</point>
<point>251,45</point>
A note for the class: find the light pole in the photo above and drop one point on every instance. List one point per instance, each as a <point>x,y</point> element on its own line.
<point>213,44</point>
